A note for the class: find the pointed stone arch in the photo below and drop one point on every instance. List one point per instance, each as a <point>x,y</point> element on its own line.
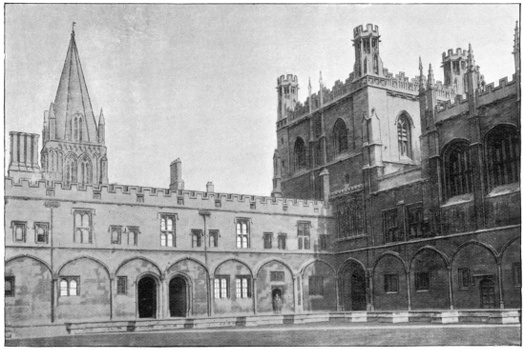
<point>353,288</point>
<point>319,286</point>
<point>274,276</point>
<point>71,168</point>
<point>85,169</point>
<point>390,284</point>
<point>159,272</point>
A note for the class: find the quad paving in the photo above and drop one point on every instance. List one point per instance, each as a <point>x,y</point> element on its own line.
<point>334,333</point>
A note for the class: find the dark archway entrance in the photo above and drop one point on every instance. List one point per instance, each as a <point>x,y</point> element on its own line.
<point>147,297</point>
<point>354,287</point>
<point>487,292</point>
<point>178,298</point>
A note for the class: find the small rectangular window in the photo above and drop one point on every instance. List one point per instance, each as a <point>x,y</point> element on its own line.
<point>196,238</point>
<point>69,286</point>
<point>315,285</point>
<point>253,205</point>
<point>516,272</point>
<point>276,276</point>
<point>303,235</point>
<point>391,283</point>
<point>464,278</point>
<point>218,203</point>
<point>41,232</point>
<point>242,287</point>
<point>422,281</point>
<point>133,235</point>
<point>268,240</point>
<point>122,285</point>
<point>9,286</point>
<point>214,238</point>
<point>221,287</point>
<point>116,234</point>
<point>19,231</point>
<point>180,200</point>
<point>281,241</point>
<point>140,198</point>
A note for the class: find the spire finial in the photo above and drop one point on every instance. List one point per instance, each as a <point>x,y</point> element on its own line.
<point>73,28</point>
<point>470,59</point>
<point>321,78</point>
<point>420,74</point>
<point>430,80</point>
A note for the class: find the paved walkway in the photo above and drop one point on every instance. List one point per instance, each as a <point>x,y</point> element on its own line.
<point>318,334</point>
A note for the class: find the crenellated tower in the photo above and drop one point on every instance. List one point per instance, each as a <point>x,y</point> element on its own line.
<point>455,68</point>
<point>287,94</point>
<point>74,148</point>
<point>367,58</point>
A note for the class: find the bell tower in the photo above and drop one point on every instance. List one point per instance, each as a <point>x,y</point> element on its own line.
<point>287,94</point>
<point>367,58</point>
<point>74,148</point>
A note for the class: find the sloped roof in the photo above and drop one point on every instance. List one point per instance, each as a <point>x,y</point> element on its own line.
<point>72,96</point>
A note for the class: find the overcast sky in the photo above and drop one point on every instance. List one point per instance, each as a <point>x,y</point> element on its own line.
<point>197,82</point>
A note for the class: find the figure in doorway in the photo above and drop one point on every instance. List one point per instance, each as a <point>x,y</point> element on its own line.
<point>277,301</point>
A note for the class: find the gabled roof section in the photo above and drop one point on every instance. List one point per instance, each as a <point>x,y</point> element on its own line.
<point>72,98</point>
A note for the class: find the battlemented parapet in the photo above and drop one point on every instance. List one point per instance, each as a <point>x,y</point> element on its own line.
<point>454,68</point>
<point>489,94</point>
<point>161,197</point>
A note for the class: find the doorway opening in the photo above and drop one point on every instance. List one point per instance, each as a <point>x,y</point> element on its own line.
<point>147,297</point>
<point>178,297</point>
<point>354,288</point>
<point>487,291</point>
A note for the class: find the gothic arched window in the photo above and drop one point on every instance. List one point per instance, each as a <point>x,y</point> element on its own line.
<point>85,171</point>
<point>404,137</point>
<point>503,155</point>
<point>75,137</point>
<point>458,173</point>
<point>340,137</point>
<point>299,152</point>
<point>365,66</point>
<point>71,169</point>
<point>376,65</point>
<point>80,129</point>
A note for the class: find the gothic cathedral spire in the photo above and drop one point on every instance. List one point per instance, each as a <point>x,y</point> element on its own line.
<point>73,150</point>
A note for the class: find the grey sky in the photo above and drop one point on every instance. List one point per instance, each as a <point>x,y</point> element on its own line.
<point>198,81</point>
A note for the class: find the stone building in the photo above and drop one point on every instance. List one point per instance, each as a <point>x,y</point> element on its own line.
<point>389,193</point>
<point>423,177</point>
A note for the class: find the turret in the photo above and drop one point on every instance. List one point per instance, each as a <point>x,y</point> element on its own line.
<point>455,67</point>
<point>367,59</point>
<point>516,53</point>
<point>101,128</point>
<point>52,122</point>
<point>287,94</point>
<point>277,177</point>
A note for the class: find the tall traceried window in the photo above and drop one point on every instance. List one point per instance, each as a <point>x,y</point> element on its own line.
<point>350,218</point>
<point>71,169</point>
<point>503,156</point>
<point>167,230</point>
<point>86,175</point>
<point>458,173</point>
<point>340,137</point>
<point>303,235</point>
<point>242,226</point>
<point>404,136</point>
<point>299,152</point>
<point>391,229</point>
<point>376,65</point>
<point>83,226</point>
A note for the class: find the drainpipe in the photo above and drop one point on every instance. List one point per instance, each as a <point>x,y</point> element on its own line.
<point>51,205</point>
<point>204,213</point>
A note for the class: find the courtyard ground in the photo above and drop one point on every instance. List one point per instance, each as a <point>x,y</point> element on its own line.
<point>317,334</point>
